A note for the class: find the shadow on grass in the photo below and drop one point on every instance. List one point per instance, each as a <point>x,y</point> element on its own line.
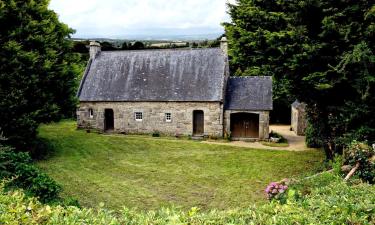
<point>43,149</point>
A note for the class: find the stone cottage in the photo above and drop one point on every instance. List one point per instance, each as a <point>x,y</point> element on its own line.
<point>174,92</point>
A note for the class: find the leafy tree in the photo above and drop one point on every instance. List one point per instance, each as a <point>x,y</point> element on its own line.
<point>259,42</point>
<point>37,69</point>
<point>106,46</point>
<point>80,47</point>
<point>124,46</point>
<point>137,45</point>
<point>320,52</point>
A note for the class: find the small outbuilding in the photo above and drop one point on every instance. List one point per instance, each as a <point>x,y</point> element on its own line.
<point>247,106</point>
<point>299,122</point>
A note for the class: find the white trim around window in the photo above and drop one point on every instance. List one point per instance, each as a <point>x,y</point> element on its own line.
<point>138,116</point>
<point>168,117</point>
<point>91,113</point>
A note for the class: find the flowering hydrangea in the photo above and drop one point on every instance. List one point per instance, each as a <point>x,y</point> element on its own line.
<point>275,189</point>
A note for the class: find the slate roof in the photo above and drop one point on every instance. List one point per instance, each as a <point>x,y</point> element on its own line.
<point>297,104</point>
<point>249,93</point>
<point>155,75</point>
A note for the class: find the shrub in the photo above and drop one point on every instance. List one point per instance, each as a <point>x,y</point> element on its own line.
<point>330,202</point>
<point>156,134</point>
<point>313,137</point>
<point>44,187</point>
<point>278,136</point>
<point>42,150</point>
<point>276,190</point>
<point>362,153</point>
<point>18,167</point>
<point>337,163</point>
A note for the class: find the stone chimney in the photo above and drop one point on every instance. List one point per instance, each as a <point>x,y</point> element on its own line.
<point>95,49</point>
<point>224,45</point>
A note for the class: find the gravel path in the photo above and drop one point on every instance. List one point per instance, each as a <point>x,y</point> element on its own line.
<point>296,143</point>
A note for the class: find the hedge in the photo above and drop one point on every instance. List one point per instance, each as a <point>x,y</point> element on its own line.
<point>322,200</point>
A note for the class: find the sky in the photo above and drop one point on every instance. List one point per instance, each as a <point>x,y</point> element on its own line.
<point>126,18</point>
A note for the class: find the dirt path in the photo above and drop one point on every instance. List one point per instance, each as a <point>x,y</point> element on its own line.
<point>296,143</point>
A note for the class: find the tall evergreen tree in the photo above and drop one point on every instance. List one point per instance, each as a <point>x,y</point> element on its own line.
<point>321,52</point>
<point>37,69</point>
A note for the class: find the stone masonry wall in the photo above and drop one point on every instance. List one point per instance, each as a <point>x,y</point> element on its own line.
<point>153,117</point>
<point>264,118</point>
<point>299,122</point>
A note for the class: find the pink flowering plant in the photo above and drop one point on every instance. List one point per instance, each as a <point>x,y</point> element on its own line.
<point>276,190</point>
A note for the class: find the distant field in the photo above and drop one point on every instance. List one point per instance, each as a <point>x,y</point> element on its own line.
<point>147,173</point>
<point>166,44</point>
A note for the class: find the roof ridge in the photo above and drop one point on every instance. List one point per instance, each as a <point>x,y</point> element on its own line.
<point>167,49</point>
<point>246,77</point>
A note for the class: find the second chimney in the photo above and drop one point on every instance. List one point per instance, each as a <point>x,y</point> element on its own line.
<point>224,45</point>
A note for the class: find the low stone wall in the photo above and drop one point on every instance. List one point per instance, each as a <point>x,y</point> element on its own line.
<point>153,117</point>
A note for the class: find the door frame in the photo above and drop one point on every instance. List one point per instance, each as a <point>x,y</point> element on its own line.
<point>195,133</point>
<point>106,128</point>
<point>244,132</point>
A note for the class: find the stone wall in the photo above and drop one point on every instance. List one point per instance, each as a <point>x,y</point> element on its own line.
<point>298,119</point>
<point>153,117</point>
<point>264,117</point>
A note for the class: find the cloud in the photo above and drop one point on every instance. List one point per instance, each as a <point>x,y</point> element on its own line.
<point>125,17</point>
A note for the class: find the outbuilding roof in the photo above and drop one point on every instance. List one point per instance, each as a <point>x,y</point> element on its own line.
<point>249,93</point>
<point>155,75</point>
<point>298,105</point>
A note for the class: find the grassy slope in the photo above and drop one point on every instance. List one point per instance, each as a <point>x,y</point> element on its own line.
<point>145,172</point>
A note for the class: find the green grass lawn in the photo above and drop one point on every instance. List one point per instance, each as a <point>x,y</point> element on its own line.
<point>147,173</point>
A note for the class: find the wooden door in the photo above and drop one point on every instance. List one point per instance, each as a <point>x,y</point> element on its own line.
<point>245,125</point>
<point>109,119</point>
<point>198,122</point>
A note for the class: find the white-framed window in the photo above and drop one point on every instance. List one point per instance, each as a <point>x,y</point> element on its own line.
<point>91,113</point>
<point>138,116</point>
<point>168,117</point>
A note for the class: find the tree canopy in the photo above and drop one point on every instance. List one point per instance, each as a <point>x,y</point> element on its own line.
<point>37,69</point>
<point>137,45</point>
<point>320,52</point>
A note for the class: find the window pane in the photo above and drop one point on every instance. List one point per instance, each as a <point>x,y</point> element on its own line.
<point>138,116</point>
<point>91,113</point>
<point>168,117</point>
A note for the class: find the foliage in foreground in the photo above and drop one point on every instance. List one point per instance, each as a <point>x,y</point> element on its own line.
<point>325,199</point>
<point>363,155</point>
<point>18,167</point>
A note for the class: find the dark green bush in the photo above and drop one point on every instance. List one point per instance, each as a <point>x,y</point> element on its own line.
<point>44,187</point>
<point>18,167</point>
<point>69,201</point>
<point>276,135</point>
<point>155,134</point>
<point>313,139</point>
<point>43,149</point>
<point>362,153</point>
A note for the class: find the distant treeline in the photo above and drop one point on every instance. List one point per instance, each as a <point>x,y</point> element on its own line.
<point>81,46</point>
